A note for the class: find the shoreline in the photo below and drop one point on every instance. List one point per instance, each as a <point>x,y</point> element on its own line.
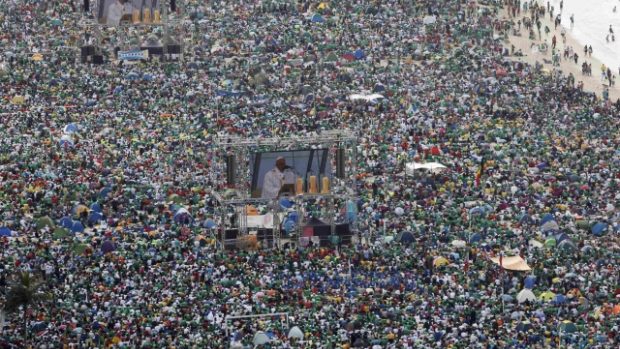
<point>531,55</point>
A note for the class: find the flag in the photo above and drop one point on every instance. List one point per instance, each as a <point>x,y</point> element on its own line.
<point>480,172</point>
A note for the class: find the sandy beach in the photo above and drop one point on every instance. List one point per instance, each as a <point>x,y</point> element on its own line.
<point>531,54</point>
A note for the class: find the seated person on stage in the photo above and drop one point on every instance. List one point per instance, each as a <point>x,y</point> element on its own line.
<point>279,180</point>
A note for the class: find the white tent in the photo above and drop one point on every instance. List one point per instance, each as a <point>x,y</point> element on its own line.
<point>260,338</point>
<point>515,263</point>
<point>295,332</point>
<point>433,167</point>
<point>526,295</point>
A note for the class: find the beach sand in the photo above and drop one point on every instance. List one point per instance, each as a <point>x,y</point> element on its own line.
<point>591,83</point>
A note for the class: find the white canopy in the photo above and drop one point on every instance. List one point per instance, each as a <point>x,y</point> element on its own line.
<point>512,263</point>
<point>367,98</point>
<point>261,221</point>
<point>433,167</point>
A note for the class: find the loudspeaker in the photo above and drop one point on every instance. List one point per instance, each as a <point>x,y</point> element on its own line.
<point>231,234</point>
<point>230,169</point>
<point>340,161</point>
<point>86,5</point>
<point>344,231</point>
<point>97,59</point>
<point>153,51</point>
<point>173,49</point>
<point>173,5</point>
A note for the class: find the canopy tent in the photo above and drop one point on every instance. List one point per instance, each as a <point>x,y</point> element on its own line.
<point>295,332</point>
<point>515,263</point>
<point>366,97</point>
<point>260,338</point>
<point>433,167</point>
<point>526,295</point>
<point>440,261</point>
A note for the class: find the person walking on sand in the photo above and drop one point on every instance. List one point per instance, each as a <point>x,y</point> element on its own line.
<point>553,42</point>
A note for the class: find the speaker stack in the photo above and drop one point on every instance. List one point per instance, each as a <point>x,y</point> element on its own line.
<point>230,169</point>
<point>340,161</point>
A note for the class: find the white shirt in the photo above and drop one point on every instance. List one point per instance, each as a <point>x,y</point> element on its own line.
<point>115,13</point>
<point>273,181</point>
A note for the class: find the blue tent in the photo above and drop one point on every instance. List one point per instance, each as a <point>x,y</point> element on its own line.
<point>317,18</point>
<point>546,218</point>
<point>66,222</point>
<point>599,229</point>
<point>77,227</point>
<point>288,225</point>
<point>286,203</point>
<point>95,207</point>
<point>95,217</point>
<point>529,282</point>
<point>148,77</point>
<point>378,88</point>
<point>118,90</point>
<point>359,54</point>
<point>4,231</point>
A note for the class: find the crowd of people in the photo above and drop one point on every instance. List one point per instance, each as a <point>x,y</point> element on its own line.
<point>95,160</point>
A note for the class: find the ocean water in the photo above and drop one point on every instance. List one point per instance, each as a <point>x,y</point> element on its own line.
<point>592,21</point>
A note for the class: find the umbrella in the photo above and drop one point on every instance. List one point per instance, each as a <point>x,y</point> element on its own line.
<point>568,327</point>
<point>260,338</point>
<point>70,128</point>
<point>317,18</point>
<point>66,141</point>
<point>476,237</point>
<point>548,217</point>
<point>77,227</point>
<point>399,211</point>
<point>599,229</point>
<point>406,238</point>
<point>524,326</point>
<point>530,281</point>
<point>507,298</point>
<point>567,246</point>
<point>107,246</point>
<point>526,295</point>
<point>440,261</point>
<point>45,222</point>
<point>546,296</point>
<point>459,243</point>
<point>295,332</point>
<point>4,231</point>
<point>79,248</point>
<point>66,222</point>
<point>550,242</point>
<point>535,244</point>
<point>60,233</point>
<point>182,216</point>
<point>559,299</point>
<point>38,326</point>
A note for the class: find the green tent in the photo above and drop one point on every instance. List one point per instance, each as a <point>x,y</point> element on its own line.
<point>45,221</point>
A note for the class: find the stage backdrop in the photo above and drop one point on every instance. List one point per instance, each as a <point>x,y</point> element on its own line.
<point>110,12</point>
<point>299,163</point>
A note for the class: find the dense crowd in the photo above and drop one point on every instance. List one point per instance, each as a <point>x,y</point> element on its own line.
<point>95,160</point>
